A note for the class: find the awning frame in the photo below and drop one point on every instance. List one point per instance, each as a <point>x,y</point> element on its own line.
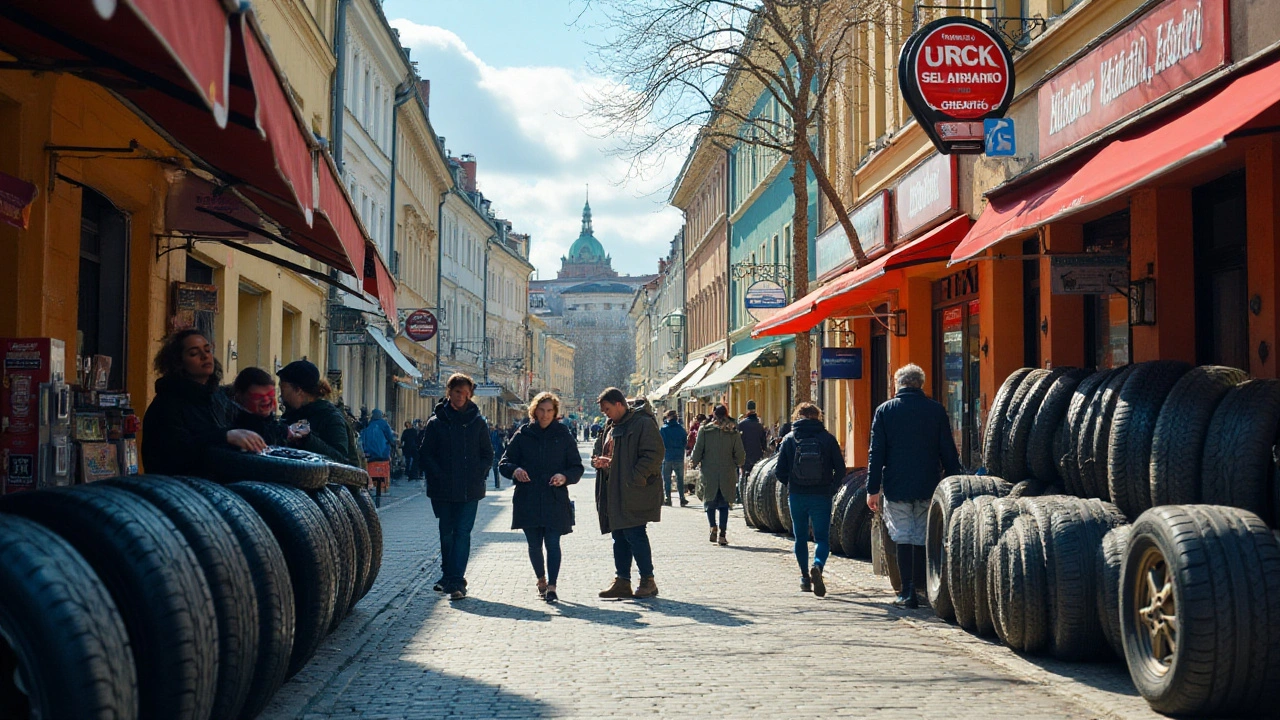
<point>389,347</point>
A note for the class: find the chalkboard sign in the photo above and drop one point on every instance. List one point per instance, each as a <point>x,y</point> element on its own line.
<point>195,296</point>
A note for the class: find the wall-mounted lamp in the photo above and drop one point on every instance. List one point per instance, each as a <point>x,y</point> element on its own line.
<point>1044,326</point>
<point>898,323</point>
<point>985,347</point>
<point>1142,301</point>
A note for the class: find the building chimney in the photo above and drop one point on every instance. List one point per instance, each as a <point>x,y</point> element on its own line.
<point>424,92</point>
<point>468,163</point>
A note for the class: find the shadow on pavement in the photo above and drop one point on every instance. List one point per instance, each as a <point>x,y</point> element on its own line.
<point>693,611</point>
<point>602,616</point>
<point>744,548</point>
<point>490,608</point>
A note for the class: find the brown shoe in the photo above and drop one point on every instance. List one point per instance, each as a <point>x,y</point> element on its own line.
<point>714,534</point>
<point>618,590</point>
<point>723,540</point>
<point>648,588</point>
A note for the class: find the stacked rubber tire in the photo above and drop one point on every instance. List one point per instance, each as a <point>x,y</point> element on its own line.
<point>1189,594</point>
<point>765,508</point>
<point>153,596</point>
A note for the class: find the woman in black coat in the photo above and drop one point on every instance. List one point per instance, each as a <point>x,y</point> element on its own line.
<point>542,458</point>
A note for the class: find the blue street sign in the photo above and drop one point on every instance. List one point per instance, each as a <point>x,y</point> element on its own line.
<point>999,139</point>
<point>841,363</point>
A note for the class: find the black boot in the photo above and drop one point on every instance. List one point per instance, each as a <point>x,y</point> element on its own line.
<point>906,569</point>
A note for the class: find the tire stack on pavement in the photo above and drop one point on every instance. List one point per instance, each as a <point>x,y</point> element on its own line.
<point>169,597</point>
<point>1189,595</point>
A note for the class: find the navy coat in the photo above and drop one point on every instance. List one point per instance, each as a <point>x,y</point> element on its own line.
<point>911,447</point>
<point>542,453</point>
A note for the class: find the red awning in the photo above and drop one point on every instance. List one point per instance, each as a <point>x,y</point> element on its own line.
<point>1248,101</point>
<point>861,284</point>
<point>378,283</point>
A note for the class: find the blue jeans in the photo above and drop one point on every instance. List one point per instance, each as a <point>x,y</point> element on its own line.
<point>812,510</point>
<point>628,544</point>
<point>669,468</point>
<point>456,521</point>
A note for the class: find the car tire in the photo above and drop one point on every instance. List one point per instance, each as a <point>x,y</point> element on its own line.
<point>1177,445</point>
<point>345,546</point>
<point>993,519</point>
<point>949,494</point>
<point>374,523</point>
<point>1094,440</point>
<point>63,644</point>
<point>1064,445</point>
<point>994,433</point>
<point>360,536</point>
<point>1042,462</point>
<point>1019,589</point>
<point>855,534</point>
<point>959,562</point>
<point>1076,630</point>
<point>1239,466</point>
<point>285,466</point>
<point>1022,423</point>
<point>307,543</point>
<point>1110,556</point>
<point>1132,428</point>
<point>156,582</point>
<point>348,476</point>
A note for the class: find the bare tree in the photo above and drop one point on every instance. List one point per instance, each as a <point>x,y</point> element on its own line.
<point>686,68</point>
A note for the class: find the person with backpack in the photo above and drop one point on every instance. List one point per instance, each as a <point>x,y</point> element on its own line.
<point>719,452</point>
<point>811,465</point>
<point>673,440</point>
<point>911,446</point>
<point>377,439</point>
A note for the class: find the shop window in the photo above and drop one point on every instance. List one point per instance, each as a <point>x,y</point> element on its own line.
<point>290,336</point>
<point>101,320</point>
<point>1106,316</point>
<point>249,327</point>
<point>956,372</point>
<point>1221,258</point>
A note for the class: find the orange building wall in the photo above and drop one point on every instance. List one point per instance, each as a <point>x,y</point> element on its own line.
<point>1160,244</point>
<point>1262,189</point>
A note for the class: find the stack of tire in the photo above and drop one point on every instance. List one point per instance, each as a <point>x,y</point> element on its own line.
<point>765,507</point>
<point>175,597</point>
<point>1189,595</point>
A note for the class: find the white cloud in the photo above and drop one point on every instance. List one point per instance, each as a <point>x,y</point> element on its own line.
<point>535,157</point>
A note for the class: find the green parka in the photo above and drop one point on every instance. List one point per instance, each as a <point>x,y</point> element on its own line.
<point>720,452</point>
<point>629,491</point>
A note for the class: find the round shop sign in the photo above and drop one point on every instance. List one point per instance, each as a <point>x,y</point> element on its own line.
<point>955,70</point>
<point>420,326</point>
<point>764,299</point>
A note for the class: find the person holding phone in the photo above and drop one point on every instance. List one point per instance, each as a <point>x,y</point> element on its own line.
<point>314,423</point>
<point>542,458</point>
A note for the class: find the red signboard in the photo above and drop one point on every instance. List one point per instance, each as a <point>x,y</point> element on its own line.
<point>961,71</point>
<point>928,193</point>
<point>15,201</point>
<point>420,326</point>
<point>1166,48</point>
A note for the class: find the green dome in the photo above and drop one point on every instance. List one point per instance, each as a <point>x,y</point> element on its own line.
<point>586,249</point>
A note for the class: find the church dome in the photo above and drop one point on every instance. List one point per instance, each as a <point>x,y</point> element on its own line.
<point>587,249</point>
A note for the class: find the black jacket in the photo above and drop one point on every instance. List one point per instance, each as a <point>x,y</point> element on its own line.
<point>911,445</point>
<point>328,434</point>
<point>755,439</point>
<point>833,459</point>
<point>542,453</point>
<point>182,421</point>
<point>409,441</point>
<point>456,456</point>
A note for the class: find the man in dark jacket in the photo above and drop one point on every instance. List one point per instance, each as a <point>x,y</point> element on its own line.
<point>811,465</point>
<point>409,440</point>
<point>755,440</point>
<point>628,459</point>
<point>911,443</point>
<point>673,441</point>
<point>498,441</point>
<point>455,458</point>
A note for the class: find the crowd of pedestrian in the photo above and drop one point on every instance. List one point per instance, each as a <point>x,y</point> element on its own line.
<point>637,463</point>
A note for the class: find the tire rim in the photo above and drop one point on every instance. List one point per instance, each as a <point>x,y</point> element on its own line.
<point>1156,612</point>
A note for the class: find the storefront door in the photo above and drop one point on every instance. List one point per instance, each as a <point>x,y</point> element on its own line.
<point>956,378</point>
<point>1106,317</point>
<point>1218,222</point>
<point>104,281</point>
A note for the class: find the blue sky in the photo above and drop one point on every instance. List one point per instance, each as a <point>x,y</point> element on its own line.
<point>508,81</point>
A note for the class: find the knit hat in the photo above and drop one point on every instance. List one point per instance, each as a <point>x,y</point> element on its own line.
<point>301,373</point>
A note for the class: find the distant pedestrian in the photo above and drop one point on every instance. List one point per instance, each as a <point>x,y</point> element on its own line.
<point>377,439</point>
<point>755,440</point>
<point>720,454</point>
<point>543,460</point>
<point>499,442</point>
<point>693,432</point>
<point>673,442</point>
<point>628,460</point>
<point>409,447</point>
<point>911,447</point>
<point>811,465</point>
<point>455,457</point>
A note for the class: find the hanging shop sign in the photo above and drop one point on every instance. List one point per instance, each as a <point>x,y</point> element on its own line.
<point>420,325</point>
<point>16,196</point>
<point>956,287</point>
<point>1173,44</point>
<point>764,299</point>
<point>488,389</point>
<point>870,220</point>
<point>1101,275</point>
<point>351,338</point>
<point>841,363</point>
<point>954,73</point>
<point>930,192</point>
<point>188,206</point>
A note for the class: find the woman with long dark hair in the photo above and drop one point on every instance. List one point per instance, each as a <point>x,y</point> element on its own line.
<point>543,460</point>
<point>188,413</point>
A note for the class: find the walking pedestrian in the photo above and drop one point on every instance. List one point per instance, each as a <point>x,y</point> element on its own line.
<point>455,457</point>
<point>755,441</point>
<point>811,465</point>
<point>377,438</point>
<point>305,395</point>
<point>409,447</point>
<point>911,446</point>
<point>499,443</point>
<point>673,442</point>
<point>628,458</point>
<point>720,453</point>
<point>542,458</point>
<point>188,414</point>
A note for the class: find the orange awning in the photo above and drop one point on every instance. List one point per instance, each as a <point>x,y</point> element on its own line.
<point>1247,102</point>
<point>859,285</point>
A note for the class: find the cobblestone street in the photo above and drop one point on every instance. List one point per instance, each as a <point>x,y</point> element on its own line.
<point>729,636</point>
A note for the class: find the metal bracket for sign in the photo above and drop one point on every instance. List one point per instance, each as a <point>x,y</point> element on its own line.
<point>1027,27</point>
<point>915,11</point>
<point>87,151</point>
<point>176,242</point>
<point>777,272</point>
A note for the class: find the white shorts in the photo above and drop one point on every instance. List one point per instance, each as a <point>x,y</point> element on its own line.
<point>907,522</point>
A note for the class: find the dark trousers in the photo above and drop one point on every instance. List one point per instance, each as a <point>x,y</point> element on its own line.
<point>632,543</point>
<point>456,521</point>
<point>721,506</point>
<point>550,538</point>
<point>910,557</point>
<point>497,477</point>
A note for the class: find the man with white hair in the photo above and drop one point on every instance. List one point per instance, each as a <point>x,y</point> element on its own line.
<point>911,446</point>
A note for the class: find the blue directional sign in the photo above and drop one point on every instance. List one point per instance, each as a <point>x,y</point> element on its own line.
<point>998,137</point>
